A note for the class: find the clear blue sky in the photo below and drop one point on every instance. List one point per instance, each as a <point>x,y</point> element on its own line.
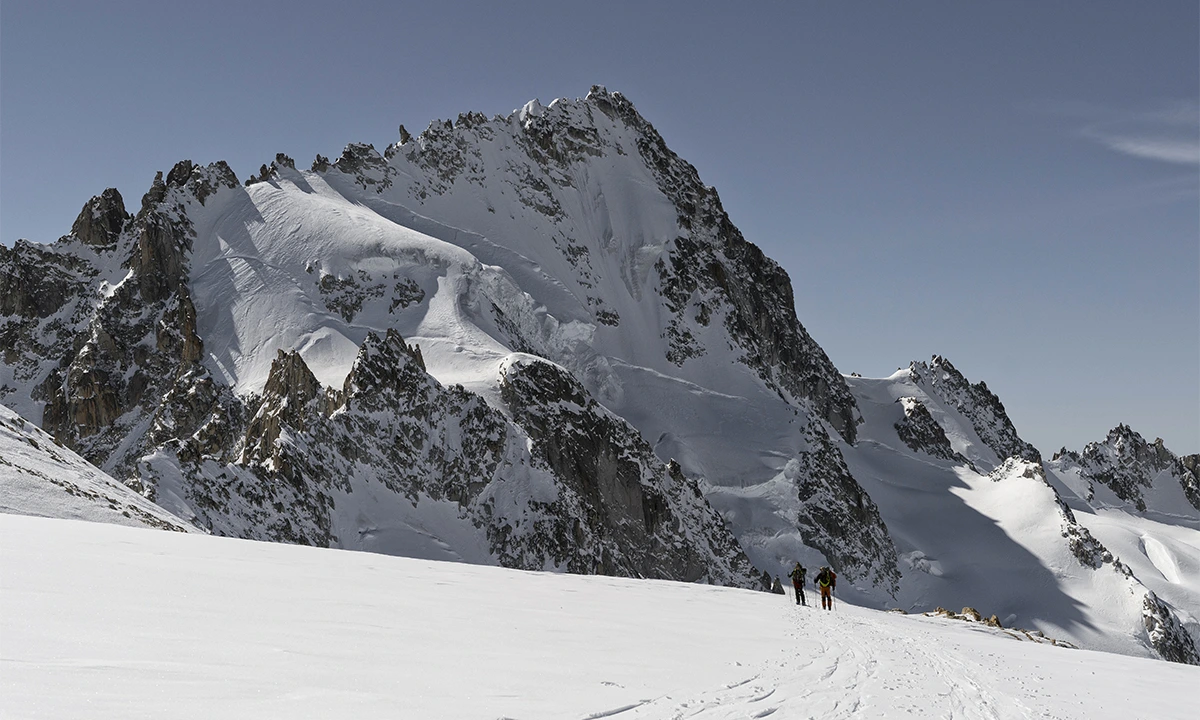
<point>1011,185</point>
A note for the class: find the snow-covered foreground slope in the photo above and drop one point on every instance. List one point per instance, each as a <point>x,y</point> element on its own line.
<point>39,477</point>
<point>109,622</point>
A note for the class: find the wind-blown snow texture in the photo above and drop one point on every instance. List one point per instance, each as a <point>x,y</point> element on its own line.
<point>538,341</point>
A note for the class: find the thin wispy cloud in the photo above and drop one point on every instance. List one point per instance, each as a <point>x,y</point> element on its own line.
<point>1170,134</point>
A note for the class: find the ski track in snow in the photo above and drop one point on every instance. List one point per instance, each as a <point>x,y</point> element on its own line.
<point>841,666</point>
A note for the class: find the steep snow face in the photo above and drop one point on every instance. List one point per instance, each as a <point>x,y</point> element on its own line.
<point>998,536</point>
<point>290,264</point>
<point>313,633</point>
<point>40,477</point>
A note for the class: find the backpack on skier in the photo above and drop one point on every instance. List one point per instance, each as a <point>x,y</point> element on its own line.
<point>798,574</point>
<point>826,582</point>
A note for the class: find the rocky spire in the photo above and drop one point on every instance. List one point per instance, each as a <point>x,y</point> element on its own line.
<point>102,219</point>
<point>290,389</point>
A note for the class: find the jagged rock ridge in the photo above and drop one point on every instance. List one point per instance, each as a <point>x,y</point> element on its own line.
<point>977,403</point>
<point>1129,466</point>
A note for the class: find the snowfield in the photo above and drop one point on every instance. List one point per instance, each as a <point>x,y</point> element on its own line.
<point>40,477</point>
<point>102,621</point>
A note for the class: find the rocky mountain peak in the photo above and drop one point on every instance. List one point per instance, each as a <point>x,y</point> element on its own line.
<point>287,398</point>
<point>290,382</point>
<point>977,403</point>
<point>266,172</point>
<point>102,219</point>
<point>201,181</point>
<point>163,232</point>
<point>364,163</point>
<point>386,367</point>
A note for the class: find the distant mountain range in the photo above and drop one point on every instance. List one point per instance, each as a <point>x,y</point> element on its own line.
<point>538,341</point>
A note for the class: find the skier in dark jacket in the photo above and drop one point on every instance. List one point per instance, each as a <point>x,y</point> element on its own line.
<point>797,575</point>
<point>826,581</point>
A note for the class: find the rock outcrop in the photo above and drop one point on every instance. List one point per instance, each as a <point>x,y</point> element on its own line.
<point>590,497</point>
<point>978,404</point>
<point>628,513</point>
<point>921,433</point>
<point>839,519</point>
<point>102,219</point>
<point>1167,635</point>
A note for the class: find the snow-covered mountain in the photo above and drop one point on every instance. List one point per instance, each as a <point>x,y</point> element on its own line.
<point>537,340</point>
<point>1005,534</point>
<point>1127,472</point>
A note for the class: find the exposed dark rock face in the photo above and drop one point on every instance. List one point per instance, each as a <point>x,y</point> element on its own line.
<point>366,165</point>
<point>1167,634</point>
<point>976,403</point>
<point>597,504</point>
<point>1190,480</point>
<point>839,519</point>
<point>290,390</point>
<point>628,513</point>
<point>103,357</point>
<point>921,433</point>
<point>36,283</point>
<point>102,219</point>
<point>1129,466</point>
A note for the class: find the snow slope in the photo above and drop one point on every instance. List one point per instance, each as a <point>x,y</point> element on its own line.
<point>38,477</point>
<point>971,531</point>
<point>109,622</point>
